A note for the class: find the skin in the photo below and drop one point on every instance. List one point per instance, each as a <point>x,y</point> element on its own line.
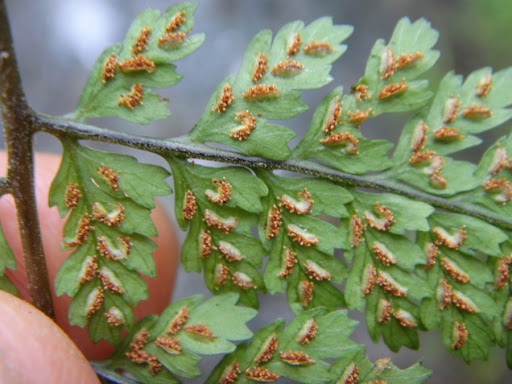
<point>35,350</point>
<point>166,256</point>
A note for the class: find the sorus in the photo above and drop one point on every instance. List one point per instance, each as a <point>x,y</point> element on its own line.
<point>222,194</point>
<point>301,236</point>
<point>200,330</point>
<point>225,99</point>
<point>287,68</point>
<point>346,139</point>
<point>296,358</point>
<point>300,207</point>
<point>289,260</point>
<point>267,350</point>
<point>261,92</point>
<point>393,90</point>
<point>260,68</point>
<point>307,332</point>
<point>260,374</point>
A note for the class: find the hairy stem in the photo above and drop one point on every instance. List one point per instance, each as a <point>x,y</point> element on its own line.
<point>181,148</point>
<point>18,122</point>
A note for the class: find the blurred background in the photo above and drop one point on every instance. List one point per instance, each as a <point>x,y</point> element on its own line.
<point>57,42</point>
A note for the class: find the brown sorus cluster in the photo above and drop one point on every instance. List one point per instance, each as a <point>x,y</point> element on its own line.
<point>111,177</point>
<point>267,350</point>
<point>451,109</point>
<point>499,161</point>
<point>94,301</point>
<point>459,335</point>
<point>177,321</point>
<point>419,137</point>
<point>169,344</point>
<point>137,354</point>
<point>82,231</point>
<point>132,99</point>
<point>431,252</point>
<point>357,229</point>
<point>189,206</point>
<point>384,311</point>
<point>261,374</point>
<point>225,99</point>
<point>142,40</point>
<point>89,269</point>
<point>223,193</point>
<point>230,374</point>
<point>333,115</point>
<point>307,332</point>
<point>206,244</point>
<point>221,274</point>
<point>318,48</point>
<point>109,68</point>
<point>176,21</point>
<point>385,220</point>
<point>407,59</point>
<point>243,281</point>
<point>434,170</point>
<point>448,240</point>
<point>114,317</point>
<point>248,123</point>
<point>350,142</point>
<point>301,236</point>
<point>361,91</point>
<point>225,225</point>
<point>295,358</point>
<point>287,68</point>
<point>393,90</point>
<point>386,63</point>
<point>171,40</point>
<point>273,221</point>
<point>476,112</point>
<point>109,281</point>
<point>289,260</point>
<point>389,285</point>
<point>106,249</point>
<point>261,92</point>
<point>499,185</point>
<point>454,270</point>
<point>405,319</point>
<point>200,330</point>
<point>299,207</point>
<point>390,64</point>
<point>444,294</point>
<point>306,292</point>
<point>484,86</point>
<point>137,63</point>
<point>369,279</point>
<point>314,271</point>
<point>350,375</point>
<point>463,302</point>
<point>359,116</point>
<point>383,254</point>
<point>294,47</point>
<point>502,273</point>
<point>113,218</point>
<point>260,68</point>
<point>229,251</point>
<point>418,158</point>
<point>447,134</point>
<point>72,195</point>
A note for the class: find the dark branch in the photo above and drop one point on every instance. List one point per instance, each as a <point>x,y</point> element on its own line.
<point>180,148</point>
<point>18,121</point>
